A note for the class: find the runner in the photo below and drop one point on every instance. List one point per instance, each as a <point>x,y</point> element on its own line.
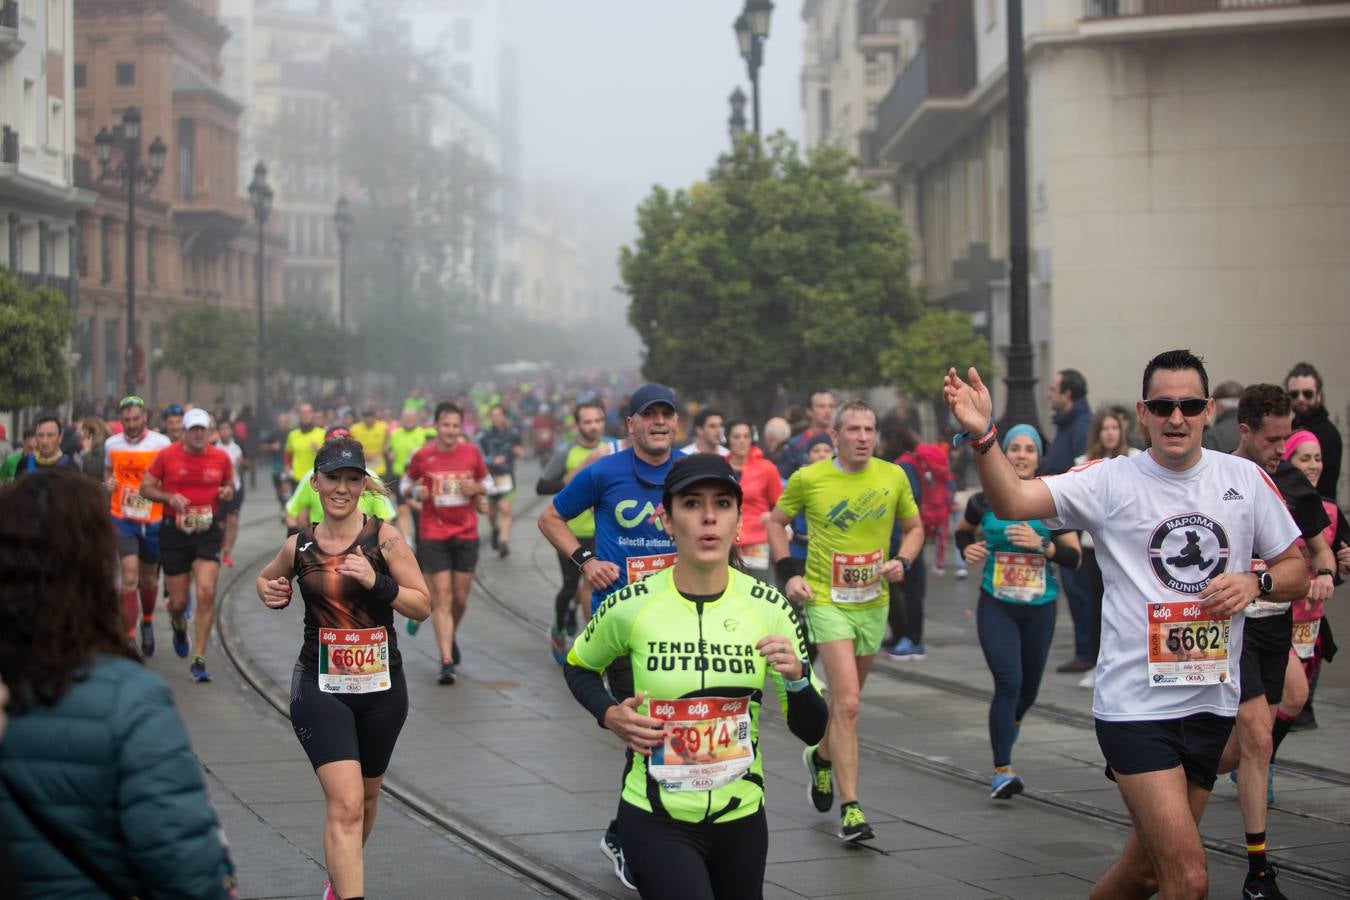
<point>852,504</point>
<point>172,423</point>
<point>47,448</point>
<point>624,490</point>
<point>761,486</point>
<point>1016,613</point>
<point>193,478</point>
<point>136,519</point>
<point>820,406</point>
<point>566,462</point>
<point>708,433</point>
<point>501,446</point>
<point>302,444</point>
<point>1264,418</point>
<point>701,636</point>
<point>349,699</point>
<point>229,509</point>
<point>447,476</point>
<point>373,435</point>
<point>1175,530</point>
<point>306,506</point>
<point>404,441</point>
<point>273,443</point>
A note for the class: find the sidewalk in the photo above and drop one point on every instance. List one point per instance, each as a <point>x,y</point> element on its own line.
<point>508,749</point>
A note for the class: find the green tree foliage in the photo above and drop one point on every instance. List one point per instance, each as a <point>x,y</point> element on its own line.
<point>919,353</point>
<point>209,342</point>
<point>778,270</point>
<point>34,326</point>
<point>306,341</point>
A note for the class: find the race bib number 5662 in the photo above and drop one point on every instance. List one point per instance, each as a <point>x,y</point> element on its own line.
<point>1187,645</point>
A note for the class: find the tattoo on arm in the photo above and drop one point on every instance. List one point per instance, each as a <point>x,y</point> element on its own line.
<point>386,546</point>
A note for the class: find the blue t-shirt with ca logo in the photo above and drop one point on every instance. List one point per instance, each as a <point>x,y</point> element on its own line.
<point>625,494</point>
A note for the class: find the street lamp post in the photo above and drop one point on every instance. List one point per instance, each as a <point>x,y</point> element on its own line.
<point>134,175</point>
<point>342,219</point>
<point>752,31</point>
<point>260,195</point>
<point>1021,380</point>
<point>398,247</point>
<point>736,121</point>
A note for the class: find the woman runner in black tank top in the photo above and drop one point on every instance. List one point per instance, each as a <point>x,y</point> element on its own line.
<point>348,696</point>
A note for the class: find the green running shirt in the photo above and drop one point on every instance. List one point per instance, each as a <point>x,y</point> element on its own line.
<point>683,648</point>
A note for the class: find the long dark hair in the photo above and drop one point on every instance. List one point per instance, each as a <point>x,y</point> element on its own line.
<point>58,603</point>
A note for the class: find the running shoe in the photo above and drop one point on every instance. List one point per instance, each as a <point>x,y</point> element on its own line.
<point>413,625</point>
<point>504,551</point>
<point>1260,885</point>
<point>961,572</point>
<point>198,670</point>
<point>613,850</point>
<point>1089,680</point>
<point>1006,785</point>
<point>447,675</point>
<point>227,559</point>
<point>906,650</point>
<point>821,790</point>
<point>181,644</point>
<point>939,571</point>
<point>570,621</point>
<point>147,639</point>
<point>454,651</point>
<point>557,644</point>
<point>853,824</point>
<point>328,892</point>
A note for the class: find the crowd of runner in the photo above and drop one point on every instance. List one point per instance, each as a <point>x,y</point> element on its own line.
<point>1195,538</point>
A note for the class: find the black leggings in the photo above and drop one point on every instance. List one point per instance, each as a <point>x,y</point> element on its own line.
<point>362,727</point>
<point>571,579</point>
<point>684,861</point>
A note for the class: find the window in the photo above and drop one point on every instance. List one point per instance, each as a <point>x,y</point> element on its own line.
<point>56,125</point>
<point>29,132</point>
<point>463,35</point>
<point>187,134</point>
<point>79,75</point>
<point>126,74</point>
<point>56,25</point>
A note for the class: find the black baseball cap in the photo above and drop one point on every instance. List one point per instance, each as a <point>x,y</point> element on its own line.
<point>334,456</point>
<point>699,467</point>
<point>650,395</point>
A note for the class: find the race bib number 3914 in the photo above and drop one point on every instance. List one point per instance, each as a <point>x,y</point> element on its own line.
<point>706,743</point>
<point>1187,645</point>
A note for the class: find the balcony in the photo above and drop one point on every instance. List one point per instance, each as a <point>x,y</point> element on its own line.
<point>32,281</point>
<point>1112,9</point>
<point>902,9</point>
<point>875,33</point>
<point>927,105</point>
<point>10,42</point>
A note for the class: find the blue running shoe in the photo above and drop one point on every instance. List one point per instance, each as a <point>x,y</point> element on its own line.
<point>1006,785</point>
<point>413,625</point>
<point>906,650</point>
<point>613,850</point>
<point>557,645</point>
<point>198,670</point>
<point>447,675</point>
<point>181,644</point>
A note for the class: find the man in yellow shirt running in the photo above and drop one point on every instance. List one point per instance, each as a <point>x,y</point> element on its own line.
<point>373,435</point>
<point>303,444</point>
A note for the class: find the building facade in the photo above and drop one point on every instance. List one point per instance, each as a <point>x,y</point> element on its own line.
<point>1187,169</point>
<point>39,201</point>
<point>195,240</point>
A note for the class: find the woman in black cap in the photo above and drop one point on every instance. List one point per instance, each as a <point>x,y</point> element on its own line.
<point>348,696</point>
<point>701,636</point>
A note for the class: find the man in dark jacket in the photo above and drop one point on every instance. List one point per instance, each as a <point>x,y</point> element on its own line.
<point>1304,385</point>
<point>1222,435</point>
<point>1072,418</point>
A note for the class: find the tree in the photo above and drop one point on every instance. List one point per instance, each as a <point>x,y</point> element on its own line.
<point>306,341</point>
<point>34,327</point>
<point>920,353</point>
<point>213,343</point>
<point>776,271</point>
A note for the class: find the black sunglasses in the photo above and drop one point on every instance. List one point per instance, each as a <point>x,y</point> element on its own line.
<point>1162,407</point>
<point>1306,393</point>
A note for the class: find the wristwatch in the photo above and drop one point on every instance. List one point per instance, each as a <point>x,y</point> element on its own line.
<point>1324,571</point>
<point>905,564</point>
<point>581,556</point>
<point>1266,583</point>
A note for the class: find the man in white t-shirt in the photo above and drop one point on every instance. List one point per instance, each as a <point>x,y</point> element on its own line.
<point>1176,529</point>
<point>708,424</point>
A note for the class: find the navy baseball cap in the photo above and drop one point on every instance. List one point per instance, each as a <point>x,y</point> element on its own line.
<point>700,467</point>
<point>650,395</point>
<point>334,456</point>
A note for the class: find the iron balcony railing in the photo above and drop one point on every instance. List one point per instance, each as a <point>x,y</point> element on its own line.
<point>942,69</point>
<point>1111,9</point>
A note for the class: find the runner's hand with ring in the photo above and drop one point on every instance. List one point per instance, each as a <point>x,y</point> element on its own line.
<point>641,733</point>
<point>275,594</point>
<point>777,652</point>
<point>355,565</point>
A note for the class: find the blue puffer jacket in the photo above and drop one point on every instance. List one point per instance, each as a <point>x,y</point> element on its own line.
<point>110,766</point>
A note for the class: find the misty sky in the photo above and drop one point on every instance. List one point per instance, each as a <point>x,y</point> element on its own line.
<point>623,94</point>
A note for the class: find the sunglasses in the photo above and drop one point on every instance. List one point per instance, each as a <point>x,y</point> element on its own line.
<point>132,400</point>
<point>174,410</point>
<point>1162,407</point>
<point>1306,394</point>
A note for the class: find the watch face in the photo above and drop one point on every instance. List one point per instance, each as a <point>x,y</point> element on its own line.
<point>1267,582</point>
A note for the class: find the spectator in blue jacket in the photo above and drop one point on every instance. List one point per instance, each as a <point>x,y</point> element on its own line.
<point>99,790</point>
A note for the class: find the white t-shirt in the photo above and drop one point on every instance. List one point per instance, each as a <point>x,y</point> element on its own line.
<point>236,453</point>
<point>692,448</point>
<point>1161,536</point>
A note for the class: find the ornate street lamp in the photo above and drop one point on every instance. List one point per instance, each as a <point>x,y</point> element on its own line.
<point>752,31</point>
<point>260,196</point>
<point>736,122</point>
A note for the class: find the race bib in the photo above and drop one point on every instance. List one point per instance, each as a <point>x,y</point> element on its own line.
<point>135,508</point>
<point>449,488</point>
<point>502,484</point>
<point>1305,637</point>
<point>353,661</point>
<point>195,519</point>
<point>1019,576</point>
<point>855,577</point>
<point>706,743</point>
<point>640,567</point>
<point>1187,646</point>
<point>756,556</point>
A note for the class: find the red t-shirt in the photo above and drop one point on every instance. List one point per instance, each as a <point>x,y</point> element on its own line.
<point>197,476</point>
<point>761,486</point>
<point>447,512</point>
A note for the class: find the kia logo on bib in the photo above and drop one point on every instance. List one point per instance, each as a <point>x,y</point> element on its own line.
<point>1186,551</point>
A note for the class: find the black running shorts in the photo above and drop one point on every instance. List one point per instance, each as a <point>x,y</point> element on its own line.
<point>1265,656</point>
<point>179,550</point>
<point>1195,743</point>
<point>455,554</point>
<point>333,727</point>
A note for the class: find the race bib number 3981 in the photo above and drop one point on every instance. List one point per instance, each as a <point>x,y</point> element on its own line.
<point>855,577</point>
<point>1187,645</point>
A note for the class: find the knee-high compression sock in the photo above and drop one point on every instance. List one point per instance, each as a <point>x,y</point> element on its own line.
<point>1256,851</point>
<point>129,609</point>
<point>147,601</point>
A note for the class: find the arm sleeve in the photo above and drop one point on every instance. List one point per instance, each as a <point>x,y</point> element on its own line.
<point>806,711</point>
<point>1067,557</point>
<point>578,496</point>
<point>976,507</point>
<point>551,479</point>
<point>162,805</point>
<point>1082,497</point>
<point>589,689</point>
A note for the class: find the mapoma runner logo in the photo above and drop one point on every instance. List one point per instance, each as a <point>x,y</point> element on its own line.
<point>1187,551</point>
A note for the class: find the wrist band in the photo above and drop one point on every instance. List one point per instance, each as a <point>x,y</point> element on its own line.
<point>385,588</point>
<point>785,568</point>
<point>959,439</point>
<point>581,556</point>
<point>982,443</point>
<point>799,685</point>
